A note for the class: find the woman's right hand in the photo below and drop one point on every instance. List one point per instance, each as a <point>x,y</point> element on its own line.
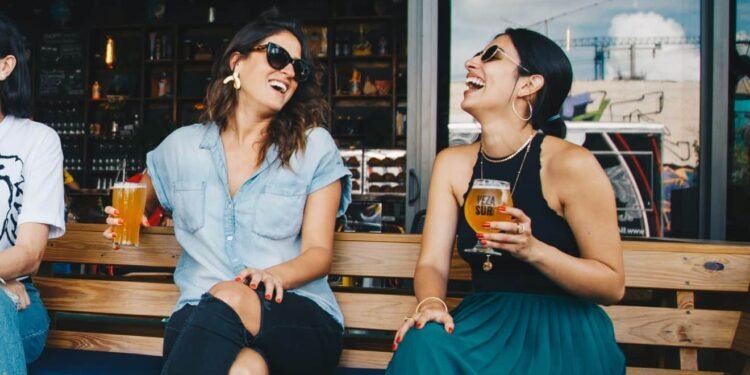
<point>113,220</point>
<point>429,312</point>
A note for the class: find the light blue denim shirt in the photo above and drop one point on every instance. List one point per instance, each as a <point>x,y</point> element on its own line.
<point>259,227</point>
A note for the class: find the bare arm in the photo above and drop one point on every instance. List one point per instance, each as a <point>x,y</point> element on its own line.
<point>316,254</point>
<point>589,208</point>
<point>588,205</point>
<point>439,234</point>
<point>24,258</point>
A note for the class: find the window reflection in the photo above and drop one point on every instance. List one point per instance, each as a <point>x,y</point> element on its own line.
<point>738,195</point>
<point>635,63</point>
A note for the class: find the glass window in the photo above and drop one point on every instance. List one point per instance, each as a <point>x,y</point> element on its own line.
<point>634,62</point>
<point>738,228</point>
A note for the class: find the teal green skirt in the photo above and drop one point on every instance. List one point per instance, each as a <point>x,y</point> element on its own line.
<point>514,333</point>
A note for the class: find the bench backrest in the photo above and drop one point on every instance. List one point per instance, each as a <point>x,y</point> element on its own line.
<point>680,267</point>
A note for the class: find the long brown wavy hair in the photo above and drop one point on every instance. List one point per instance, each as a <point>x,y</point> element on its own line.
<point>305,110</point>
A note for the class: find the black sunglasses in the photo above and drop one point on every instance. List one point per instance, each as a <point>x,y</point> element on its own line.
<point>279,58</point>
<point>493,51</point>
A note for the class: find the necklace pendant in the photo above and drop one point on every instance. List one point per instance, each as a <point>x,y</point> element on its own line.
<point>487,265</point>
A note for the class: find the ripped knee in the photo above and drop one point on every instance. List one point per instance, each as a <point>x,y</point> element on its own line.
<point>243,300</point>
<point>249,362</point>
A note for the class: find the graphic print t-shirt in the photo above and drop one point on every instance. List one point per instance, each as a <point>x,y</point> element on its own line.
<point>31,171</point>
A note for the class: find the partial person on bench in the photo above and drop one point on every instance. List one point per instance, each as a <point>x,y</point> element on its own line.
<point>32,207</point>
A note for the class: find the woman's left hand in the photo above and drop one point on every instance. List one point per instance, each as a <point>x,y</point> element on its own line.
<point>18,289</point>
<point>515,236</point>
<point>253,277</point>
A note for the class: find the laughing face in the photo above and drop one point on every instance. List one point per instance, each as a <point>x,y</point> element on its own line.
<point>490,83</point>
<point>264,87</point>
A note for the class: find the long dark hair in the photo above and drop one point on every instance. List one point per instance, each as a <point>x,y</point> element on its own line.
<point>542,56</point>
<point>306,109</point>
<point>15,90</point>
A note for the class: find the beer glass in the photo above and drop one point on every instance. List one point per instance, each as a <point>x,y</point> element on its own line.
<point>481,206</point>
<point>130,199</point>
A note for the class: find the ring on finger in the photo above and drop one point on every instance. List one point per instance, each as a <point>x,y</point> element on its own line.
<point>520,229</point>
<point>408,318</point>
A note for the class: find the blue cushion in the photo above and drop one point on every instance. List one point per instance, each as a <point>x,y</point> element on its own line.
<point>79,362</point>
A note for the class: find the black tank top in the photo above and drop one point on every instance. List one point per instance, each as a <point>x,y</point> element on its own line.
<point>509,273</point>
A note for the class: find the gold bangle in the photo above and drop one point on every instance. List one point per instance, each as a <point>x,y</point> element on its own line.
<point>419,305</point>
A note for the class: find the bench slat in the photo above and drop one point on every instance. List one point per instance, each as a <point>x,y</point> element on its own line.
<point>742,337</point>
<point>108,297</point>
<point>687,271</point>
<point>105,342</point>
<point>633,324</point>
<point>647,264</point>
<point>673,327</point>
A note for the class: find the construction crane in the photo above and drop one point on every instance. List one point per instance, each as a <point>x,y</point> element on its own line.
<point>602,45</point>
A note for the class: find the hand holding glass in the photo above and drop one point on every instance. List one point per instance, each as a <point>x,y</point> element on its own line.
<point>481,206</point>
<point>130,199</point>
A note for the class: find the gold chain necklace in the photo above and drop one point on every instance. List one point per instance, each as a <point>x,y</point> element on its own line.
<point>526,145</point>
<point>487,265</point>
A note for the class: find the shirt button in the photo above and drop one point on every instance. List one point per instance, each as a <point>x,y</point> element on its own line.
<point>229,238</point>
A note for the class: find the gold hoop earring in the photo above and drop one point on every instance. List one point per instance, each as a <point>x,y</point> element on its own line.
<point>234,78</point>
<point>531,110</point>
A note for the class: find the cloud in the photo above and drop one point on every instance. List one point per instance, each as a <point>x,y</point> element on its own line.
<point>680,62</point>
<point>475,22</point>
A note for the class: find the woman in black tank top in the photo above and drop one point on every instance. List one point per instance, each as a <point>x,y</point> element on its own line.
<point>535,308</point>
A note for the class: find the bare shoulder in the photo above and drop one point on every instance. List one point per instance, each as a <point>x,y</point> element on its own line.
<point>453,169</point>
<point>568,160</point>
<point>573,169</point>
<point>457,156</point>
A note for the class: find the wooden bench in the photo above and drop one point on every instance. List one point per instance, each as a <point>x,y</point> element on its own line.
<point>679,269</point>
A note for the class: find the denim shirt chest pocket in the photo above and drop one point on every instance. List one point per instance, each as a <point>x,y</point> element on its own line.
<point>189,204</point>
<point>280,207</point>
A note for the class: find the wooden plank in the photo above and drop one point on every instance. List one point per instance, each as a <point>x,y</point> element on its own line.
<point>686,246</point>
<point>156,250</point>
<point>673,327</point>
<point>368,258</point>
<point>741,341</point>
<point>108,297</point>
<point>375,311</point>
<point>633,324</point>
<point>661,371</point>
<point>688,356</point>
<point>105,342</point>
<point>365,359</point>
<point>687,271</point>
<point>647,264</point>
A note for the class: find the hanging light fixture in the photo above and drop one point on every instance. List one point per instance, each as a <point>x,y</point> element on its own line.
<point>109,53</point>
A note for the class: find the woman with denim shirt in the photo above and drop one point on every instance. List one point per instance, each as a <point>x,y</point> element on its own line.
<point>31,207</point>
<point>254,193</point>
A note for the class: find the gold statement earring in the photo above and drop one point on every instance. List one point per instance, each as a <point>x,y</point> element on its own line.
<point>234,78</point>
<point>531,110</point>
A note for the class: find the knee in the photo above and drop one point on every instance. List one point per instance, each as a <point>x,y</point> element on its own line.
<point>234,294</point>
<point>431,334</point>
<point>249,362</point>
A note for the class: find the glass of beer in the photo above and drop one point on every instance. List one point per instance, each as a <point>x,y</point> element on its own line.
<point>481,207</point>
<point>130,199</point>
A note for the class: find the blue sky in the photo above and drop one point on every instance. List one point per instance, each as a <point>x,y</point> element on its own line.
<point>475,22</point>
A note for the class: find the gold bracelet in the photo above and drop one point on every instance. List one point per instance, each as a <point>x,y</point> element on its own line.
<point>419,305</point>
